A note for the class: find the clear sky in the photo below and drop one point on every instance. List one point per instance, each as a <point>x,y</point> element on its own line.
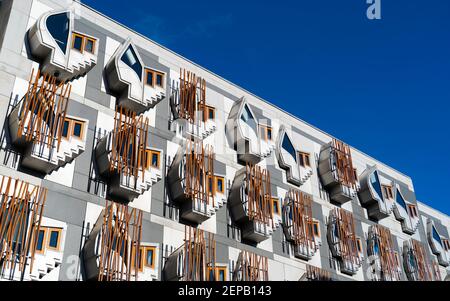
<point>383,86</point>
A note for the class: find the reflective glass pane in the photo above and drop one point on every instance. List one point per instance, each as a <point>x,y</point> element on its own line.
<point>130,58</point>
<point>58,26</point>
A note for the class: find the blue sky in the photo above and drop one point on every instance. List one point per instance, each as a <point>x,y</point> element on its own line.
<point>382,86</point>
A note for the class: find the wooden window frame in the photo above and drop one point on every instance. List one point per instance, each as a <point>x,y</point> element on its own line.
<point>44,240</point>
<point>69,129</point>
<point>277,201</point>
<point>355,174</point>
<point>75,35</point>
<point>147,248</point>
<point>156,73</point>
<point>93,44</point>
<point>210,109</point>
<point>216,181</point>
<point>221,268</point>
<point>413,210</point>
<point>316,224</point>
<point>265,129</point>
<point>82,123</point>
<point>149,153</point>
<point>49,234</point>
<point>359,247</point>
<point>388,191</point>
<point>305,155</point>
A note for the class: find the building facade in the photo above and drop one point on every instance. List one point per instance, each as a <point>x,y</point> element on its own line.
<point>122,160</point>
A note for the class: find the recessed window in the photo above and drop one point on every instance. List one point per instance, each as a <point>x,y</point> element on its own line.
<point>77,42</point>
<point>276,206</point>
<point>54,238</point>
<point>355,174</point>
<point>413,211</point>
<point>152,158</point>
<point>89,46</point>
<point>266,132</point>
<point>154,78</point>
<point>72,128</point>
<point>220,183</point>
<point>150,253</point>
<point>83,43</point>
<point>304,159</point>
<point>387,192</point>
<point>221,274</point>
<point>40,241</point>
<point>211,113</point>
<point>358,244</point>
<point>316,229</point>
<point>58,26</point>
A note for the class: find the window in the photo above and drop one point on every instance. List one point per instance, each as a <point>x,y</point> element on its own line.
<point>387,192</point>
<point>276,206</point>
<point>83,43</point>
<point>131,60</point>
<point>397,258</point>
<point>217,273</point>
<point>220,184</point>
<point>358,244</point>
<point>154,78</point>
<point>54,237</point>
<point>248,118</point>
<point>152,158</point>
<point>72,128</point>
<point>40,246</point>
<point>150,253</point>
<point>287,146</point>
<point>446,244</point>
<point>209,113</point>
<point>266,132</point>
<point>211,185</point>
<point>58,26</point>
<point>316,229</point>
<point>355,174</point>
<point>413,211</point>
<point>304,159</point>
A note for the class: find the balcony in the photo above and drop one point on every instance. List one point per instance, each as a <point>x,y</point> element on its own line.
<point>192,117</point>
<point>41,130</point>
<point>195,260</point>
<point>21,213</point>
<point>109,252</point>
<point>250,203</point>
<point>251,267</point>
<point>316,274</point>
<point>136,87</point>
<point>298,225</point>
<point>383,258</point>
<point>193,183</point>
<point>343,241</point>
<point>244,135</point>
<point>63,53</point>
<point>436,242</point>
<point>133,170</point>
<point>371,196</point>
<point>406,212</point>
<point>337,173</point>
<point>416,262</point>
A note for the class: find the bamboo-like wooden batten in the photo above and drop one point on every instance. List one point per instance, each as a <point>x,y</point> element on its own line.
<point>424,270</point>
<point>436,271</point>
<point>344,164</point>
<point>259,194</point>
<point>120,242</point>
<point>43,110</point>
<point>129,143</point>
<point>386,253</point>
<point>317,274</point>
<point>251,267</point>
<point>21,209</point>
<point>302,232</point>
<point>199,254</point>
<point>199,173</point>
<point>347,236</point>
<point>192,96</point>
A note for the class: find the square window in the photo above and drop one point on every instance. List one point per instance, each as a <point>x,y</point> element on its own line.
<point>150,257</point>
<point>211,113</point>
<point>159,79</point>
<point>77,42</point>
<point>155,159</point>
<point>77,129</point>
<point>150,76</point>
<point>65,130</point>
<point>89,46</point>
<point>54,237</point>
<point>219,184</point>
<point>40,241</point>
